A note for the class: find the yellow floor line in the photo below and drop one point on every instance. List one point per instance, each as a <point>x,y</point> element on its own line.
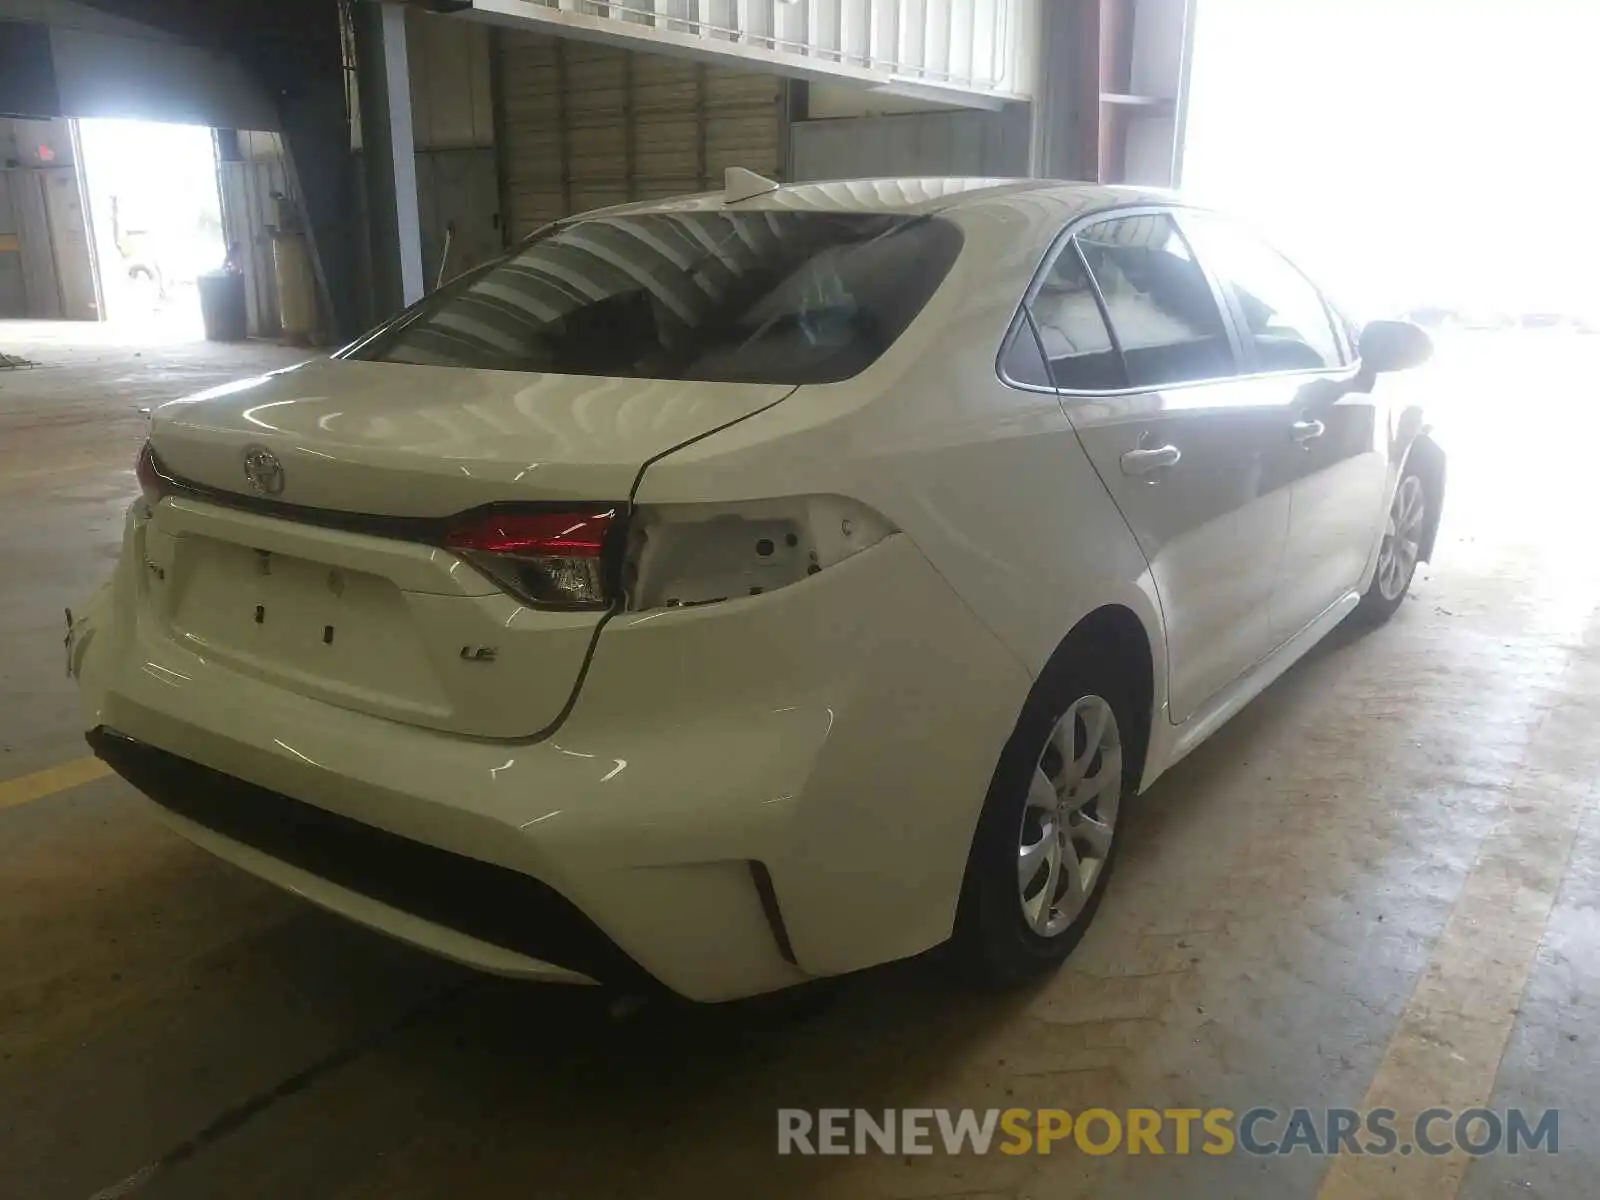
<point>26,788</point>
<point>1447,1049</point>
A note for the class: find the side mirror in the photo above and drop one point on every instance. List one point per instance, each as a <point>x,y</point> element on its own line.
<point>1394,346</point>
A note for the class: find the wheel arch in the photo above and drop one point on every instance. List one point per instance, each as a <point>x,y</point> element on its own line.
<point>1114,630</point>
<point>1114,635</point>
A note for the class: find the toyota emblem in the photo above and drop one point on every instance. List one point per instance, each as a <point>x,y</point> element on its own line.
<point>262,470</point>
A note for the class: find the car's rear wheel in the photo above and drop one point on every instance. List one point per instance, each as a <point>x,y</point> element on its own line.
<point>1398,554</point>
<point>1047,838</point>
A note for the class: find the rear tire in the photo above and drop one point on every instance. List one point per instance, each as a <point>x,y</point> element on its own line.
<point>1046,840</point>
<point>1404,530</point>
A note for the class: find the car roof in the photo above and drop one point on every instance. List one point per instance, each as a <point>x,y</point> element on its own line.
<point>912,195</point>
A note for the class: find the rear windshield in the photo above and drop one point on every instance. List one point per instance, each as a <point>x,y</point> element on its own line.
<point>761,297</point>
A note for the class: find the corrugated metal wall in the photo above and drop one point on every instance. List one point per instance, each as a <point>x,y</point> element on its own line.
<point>457,190</point>
<point>452,115</point>
<point>248,214</point>
<point>586,125</point>
<point>450,101</point>
<point>46,270</point>
<point>13,295</point>
<point>933,143</point>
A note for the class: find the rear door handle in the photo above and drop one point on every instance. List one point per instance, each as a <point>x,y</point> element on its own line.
<point>1305,431</point>
<point>1142,461</point>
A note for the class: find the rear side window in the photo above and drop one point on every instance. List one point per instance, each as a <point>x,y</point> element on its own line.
<point>1021,360</point>
<point>752,296</point>
<point>1072,332</point>
<point>1160,304</point>
<point>1284,316</point>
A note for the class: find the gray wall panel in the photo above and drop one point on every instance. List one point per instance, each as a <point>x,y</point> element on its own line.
<point>38,258</point>
<point>69,242</point>
<point>13,296</point>
<point>457,187</point>
<point>961,142</point>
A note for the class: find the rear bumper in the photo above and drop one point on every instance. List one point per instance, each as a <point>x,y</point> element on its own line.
<point>744,796</point>
<point>476,913</point>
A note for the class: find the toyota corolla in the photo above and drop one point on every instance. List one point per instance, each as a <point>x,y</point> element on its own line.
<point>727,592</point>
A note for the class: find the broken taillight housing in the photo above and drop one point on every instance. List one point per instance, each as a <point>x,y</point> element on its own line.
<point>550,559</point>
<point>681,555</point>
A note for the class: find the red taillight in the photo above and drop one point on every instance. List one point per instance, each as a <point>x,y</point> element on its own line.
<point>546,558</point>
<point>151,481</point>
<point>574,535</point>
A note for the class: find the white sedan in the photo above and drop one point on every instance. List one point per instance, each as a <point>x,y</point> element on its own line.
<point>726,592</point>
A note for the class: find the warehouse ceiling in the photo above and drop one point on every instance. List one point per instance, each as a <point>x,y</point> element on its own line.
<point>279,41</point>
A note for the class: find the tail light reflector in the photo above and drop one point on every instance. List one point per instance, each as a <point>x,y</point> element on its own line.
<point>552,559</point>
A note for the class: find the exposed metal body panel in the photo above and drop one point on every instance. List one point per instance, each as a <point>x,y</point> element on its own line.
<point>972,52</point>
<point>588,125</point>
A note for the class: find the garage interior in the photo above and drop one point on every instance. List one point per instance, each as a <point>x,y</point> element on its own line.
<point>1375,887</point>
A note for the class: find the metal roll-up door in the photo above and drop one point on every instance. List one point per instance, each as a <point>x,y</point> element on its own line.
<point>585,125</point>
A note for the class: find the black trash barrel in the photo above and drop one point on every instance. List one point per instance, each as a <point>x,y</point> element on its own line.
<point>222,307</point>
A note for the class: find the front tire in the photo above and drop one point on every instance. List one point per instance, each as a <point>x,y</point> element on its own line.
<point>1046,841</point>
<point>1399,552</point>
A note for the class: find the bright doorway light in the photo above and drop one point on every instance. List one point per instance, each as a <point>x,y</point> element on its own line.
<point>152,192</point>
<point>1411,153</point>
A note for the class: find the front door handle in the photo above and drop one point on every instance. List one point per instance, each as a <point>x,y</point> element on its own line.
<point>1305,431</point>
<point>1142,461</point>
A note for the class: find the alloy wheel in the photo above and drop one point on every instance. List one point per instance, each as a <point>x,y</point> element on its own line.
<point>1070,816</point>
<point>1402,538</point>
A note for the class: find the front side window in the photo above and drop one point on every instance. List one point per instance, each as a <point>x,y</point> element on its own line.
<point>751,296</point>
<point>1158,300</point>
<point>1284,317</point>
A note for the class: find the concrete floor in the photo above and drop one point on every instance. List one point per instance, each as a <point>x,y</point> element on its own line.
<point>1377,886</point>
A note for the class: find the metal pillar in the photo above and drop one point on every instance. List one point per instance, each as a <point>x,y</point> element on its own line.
<point>316,136</point>
<point>1113,89</point>
<point>388,155</point>
<point>1066,103</point>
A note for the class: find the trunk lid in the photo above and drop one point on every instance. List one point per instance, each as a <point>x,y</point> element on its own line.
<point>386,625</point>
<point>401,440</point>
